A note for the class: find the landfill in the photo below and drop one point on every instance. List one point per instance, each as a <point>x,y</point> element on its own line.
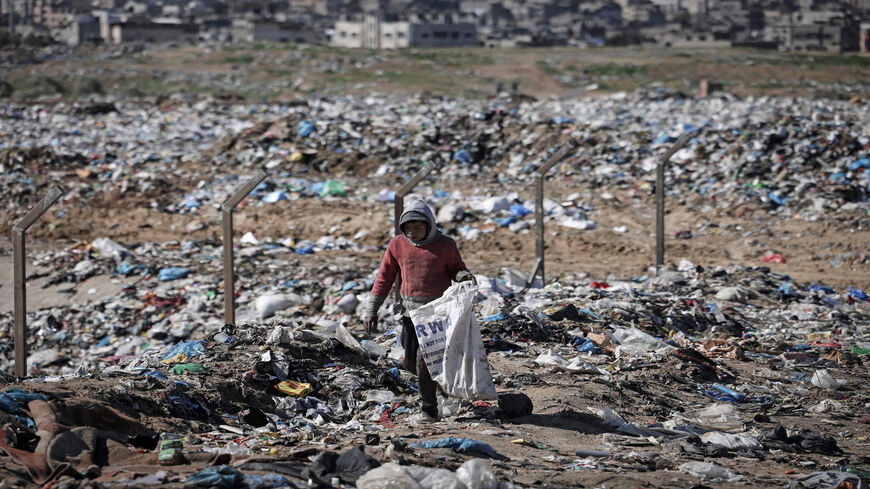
<point>742,361</point>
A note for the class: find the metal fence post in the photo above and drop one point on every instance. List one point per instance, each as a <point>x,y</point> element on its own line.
<point>227,227</point>
<point>19,276</point>
<point>405,189</point>
<point>399,207</point>
<point>539,208</point>
<point>660,197</point>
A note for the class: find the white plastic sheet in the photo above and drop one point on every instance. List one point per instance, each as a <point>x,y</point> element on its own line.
<point>709,471</point>
<point>636,343</point>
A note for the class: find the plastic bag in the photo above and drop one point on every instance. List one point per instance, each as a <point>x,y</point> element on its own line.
<point>636,343</point>
<point>380,396</point>
<point>387,476</point>
<point>109,248</point>
<point>451,345</point>
<point>374,349</point>
<point>430,478</point>
<point>334,188</point>
<point>740,441</point>
<point>719,417</point>
<point>172,273</point>
<point>447,407</point>
<point>822,378</point>
<point>577,365</point>
<point>268,305</point>
<point>489,307</point>
<point>709,472</point>
<point>183,351</point>
<point>477,474</point>
<point>279,336</point>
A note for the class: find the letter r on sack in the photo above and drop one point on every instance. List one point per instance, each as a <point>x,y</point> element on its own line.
<point>421,330</point>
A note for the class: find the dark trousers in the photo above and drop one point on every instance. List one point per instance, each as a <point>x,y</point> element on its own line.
<point>414,363</point>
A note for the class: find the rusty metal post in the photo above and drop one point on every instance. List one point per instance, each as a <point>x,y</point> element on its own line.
<point>539,208</point>
<point>19,276</point>
<point>660,197</point>
<point>227,230</point>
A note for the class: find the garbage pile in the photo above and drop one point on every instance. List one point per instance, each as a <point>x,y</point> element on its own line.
<point>797,158</point>
<point>693,374</point>
<point>683,375</point>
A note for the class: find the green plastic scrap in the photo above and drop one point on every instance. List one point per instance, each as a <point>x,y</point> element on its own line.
<point>334,188</point>
<point>188,368</point>
<point>857,350</point>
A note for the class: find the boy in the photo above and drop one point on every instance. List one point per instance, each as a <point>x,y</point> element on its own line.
<point>427,261</point>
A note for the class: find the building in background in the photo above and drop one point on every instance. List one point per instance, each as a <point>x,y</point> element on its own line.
<point>267,30</point>
<point>374,33</point>
<point>142,30</point>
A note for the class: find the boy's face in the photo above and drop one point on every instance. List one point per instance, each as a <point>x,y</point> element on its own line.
<point>415,230</point>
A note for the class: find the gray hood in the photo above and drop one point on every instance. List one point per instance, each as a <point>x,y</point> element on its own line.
<point>422,208</point>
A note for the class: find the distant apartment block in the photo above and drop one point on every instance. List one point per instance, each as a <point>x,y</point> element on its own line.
<point>138,30</point>
<point>374,33</point>
<point>827,33</point>
<point>79,29</point>
<point>267,30</point>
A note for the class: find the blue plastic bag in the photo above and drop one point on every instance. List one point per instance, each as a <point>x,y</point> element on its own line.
<point>275,196</point>
<point>776,199</point>
<point>505,221</point>
<point>519,210</point>
<point>857,294</point>
<point>495,317</point>
<point>304,129</point>
<point>183,351</point>
<point>172,273</point>
<point>126,269</point>
<point>861,163</point>
<point>304,250</point>
<point>462,155</point>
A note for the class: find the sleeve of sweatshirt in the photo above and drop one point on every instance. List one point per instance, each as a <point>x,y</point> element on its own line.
<point>456,267</point>
<point>384,282</point>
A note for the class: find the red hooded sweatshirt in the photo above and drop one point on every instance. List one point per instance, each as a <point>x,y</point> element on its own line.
<point>426,267</point>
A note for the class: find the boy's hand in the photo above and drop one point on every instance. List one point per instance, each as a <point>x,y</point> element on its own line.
<point>471,278</point>
<point>371,324</point>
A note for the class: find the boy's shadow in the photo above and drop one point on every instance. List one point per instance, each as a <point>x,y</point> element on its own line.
<point>567,420</point>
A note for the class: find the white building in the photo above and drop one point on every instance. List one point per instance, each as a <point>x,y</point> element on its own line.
<point>349,35</point>
<point>373,33</point>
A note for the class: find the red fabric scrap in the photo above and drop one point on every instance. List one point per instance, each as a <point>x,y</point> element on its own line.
<point>385,419</point>
<point>773,258</point>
